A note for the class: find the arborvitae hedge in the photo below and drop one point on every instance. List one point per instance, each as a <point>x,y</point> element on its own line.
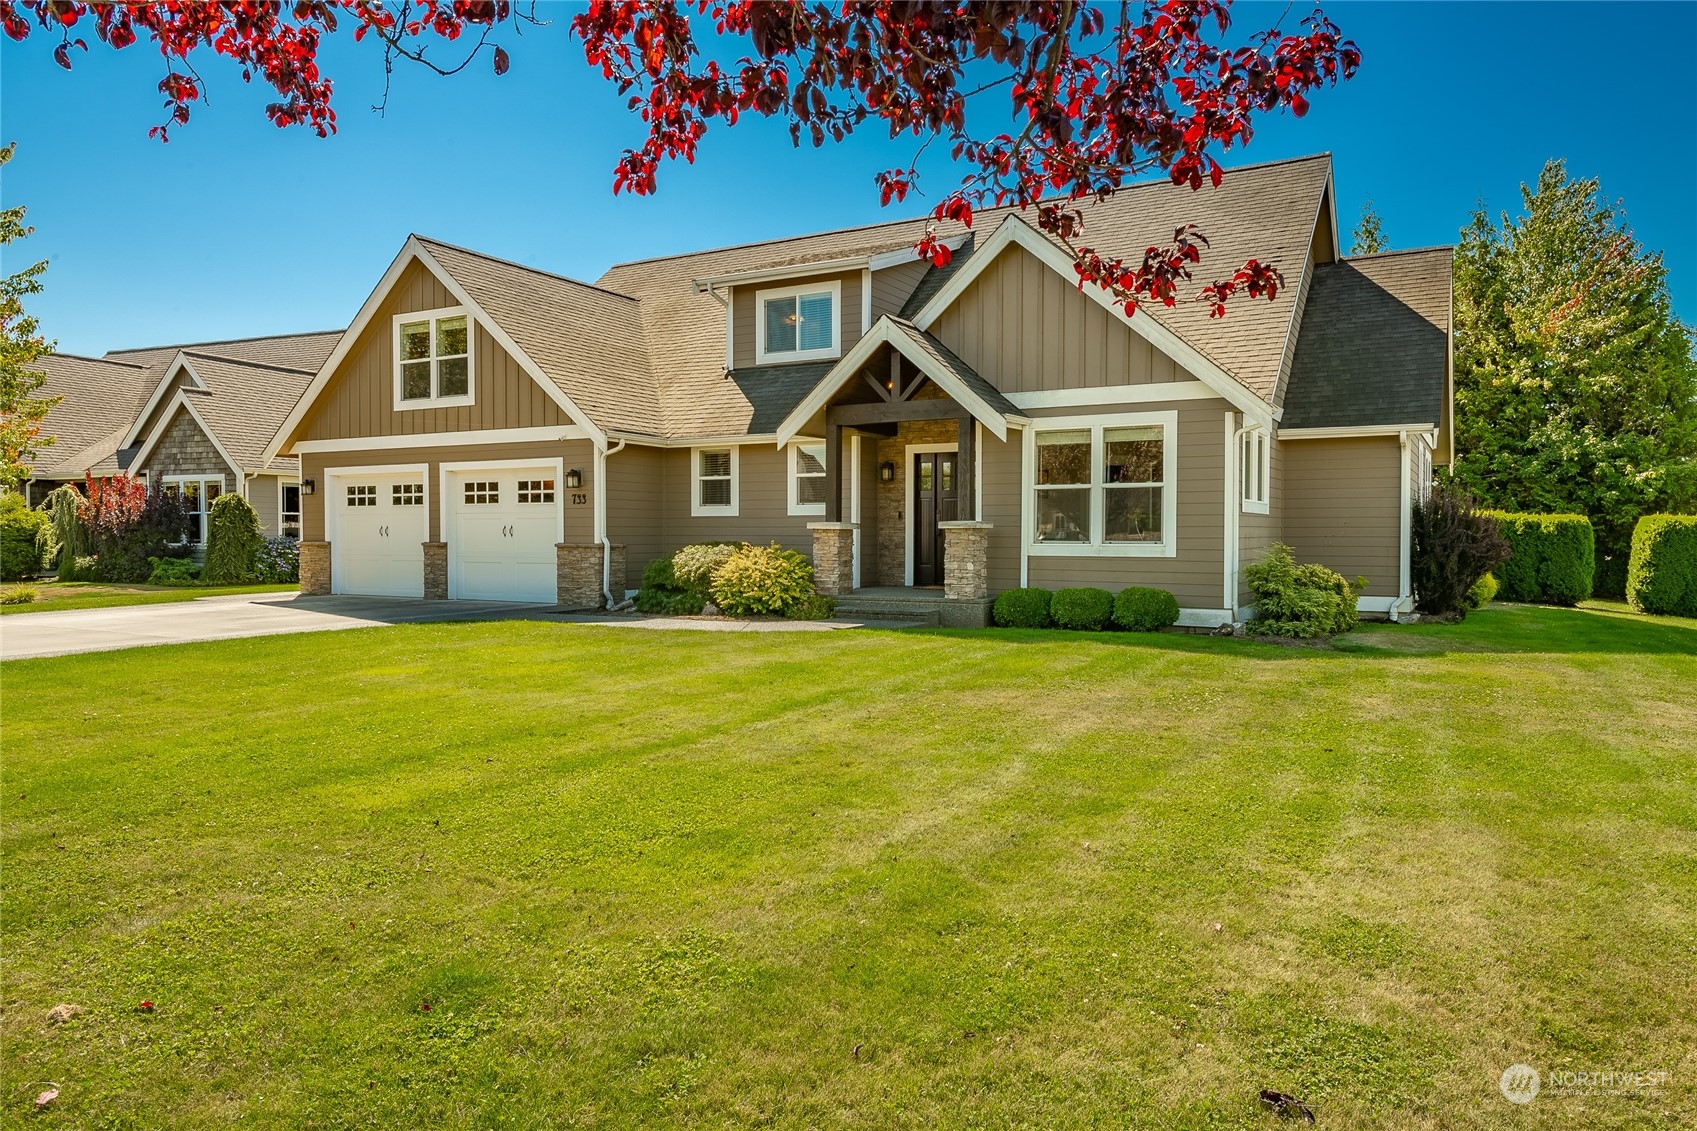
<point>1662,577</point>
<point>1552,558</point>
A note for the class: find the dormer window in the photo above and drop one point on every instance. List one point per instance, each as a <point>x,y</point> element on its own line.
<point>433,364</point>
<point>797,323</point>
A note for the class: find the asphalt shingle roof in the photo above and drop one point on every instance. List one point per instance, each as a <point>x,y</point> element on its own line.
<point>1374,345</point>
<point>101,401</point>
<point>245,404</point>
<point>291,351</point>
<point>963,372</point>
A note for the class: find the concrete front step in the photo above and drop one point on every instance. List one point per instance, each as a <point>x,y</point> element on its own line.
<point>928,610</point>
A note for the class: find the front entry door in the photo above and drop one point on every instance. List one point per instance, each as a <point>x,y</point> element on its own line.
<point>933,502</point>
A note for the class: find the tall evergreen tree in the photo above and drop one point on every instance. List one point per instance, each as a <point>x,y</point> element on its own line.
<point>1575,384</point>
<point>20,345</point>
<point>1369,238</point>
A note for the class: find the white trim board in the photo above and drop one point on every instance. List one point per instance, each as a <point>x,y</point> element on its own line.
<point>165,418</point>
<point>1014,230</point>
<point>181,359</point>
<point>1115,395</point>
<point>1354,432</point>
<point>446,439</point>
<point>412,250</point>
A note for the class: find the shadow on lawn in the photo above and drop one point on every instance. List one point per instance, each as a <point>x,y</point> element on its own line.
<point>1500,629</point>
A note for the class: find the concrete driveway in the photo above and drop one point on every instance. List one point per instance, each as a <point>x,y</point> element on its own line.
<point>29,635</point>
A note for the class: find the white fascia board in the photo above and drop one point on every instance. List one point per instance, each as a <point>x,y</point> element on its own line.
<point>1115,395</point>
<point>153,437</point>
<point>886,333</point>
<point>793,271</point>
<point>1014,230</point>
<point>714,441</point>
<point>904,255</point>
<point>182,361</point>
<point>447,439</point>
<point>1353,432</point>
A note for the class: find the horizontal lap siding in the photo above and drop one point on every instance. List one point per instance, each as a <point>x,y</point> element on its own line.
<point>1343,507</point>
<point>743,310</point>
<point>635,504</point>
<point>1258,531</point>
<point>762,513</point>
<point>263,493</point>
<point>1025,328</point>
<point>893,286</point>
<point>580,518</point>
<point>359,399</point>
<point>1196,575</point>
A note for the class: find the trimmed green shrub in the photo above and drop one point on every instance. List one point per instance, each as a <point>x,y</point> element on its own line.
<point>1303,601</point>
<point>232,541</point>
<point>1552,557</point>
<point>172,571</point>
<point>1145,610</point>
<point>1022,608</point>
<point>816,607</point>
<point>25,539</point>
<point>662,592</point>
<point>1085,609</point>
<point>1484,591</point>
<point>20,595</point>
<point>762,581</point>
<point>1663,575</point>
<point>279,561</point>
<point>1455,545</point>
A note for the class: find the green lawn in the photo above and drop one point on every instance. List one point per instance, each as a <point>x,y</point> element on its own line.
<point>542,875</point>
<point>55,596</point>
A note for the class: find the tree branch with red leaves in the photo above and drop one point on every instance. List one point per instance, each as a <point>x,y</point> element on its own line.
<point>1092,107</point>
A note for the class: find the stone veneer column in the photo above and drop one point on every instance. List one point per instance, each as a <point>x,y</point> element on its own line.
<point>435,571</point>
<point>315,568</point>
<point>966,560</point>
<point>578,584</point>
<point>833,557</point>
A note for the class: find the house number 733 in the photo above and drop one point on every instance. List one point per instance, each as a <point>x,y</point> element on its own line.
<point>579,498</point>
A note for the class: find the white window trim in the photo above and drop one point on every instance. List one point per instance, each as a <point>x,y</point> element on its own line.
<point>283,486</point>
<point>1166,548</point>
<point>205,507</point>
<point>763,356</point>
<point>798,507</point>
<point>1255,452</point>
<point>696,507</point>
<point>432,316</point>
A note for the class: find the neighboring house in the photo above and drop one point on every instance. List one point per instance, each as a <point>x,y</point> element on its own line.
<point>194,419</point>
<point>488,430</point>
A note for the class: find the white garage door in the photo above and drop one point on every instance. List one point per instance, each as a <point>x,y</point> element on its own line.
<point>503,524</point>
<point>379,526</point>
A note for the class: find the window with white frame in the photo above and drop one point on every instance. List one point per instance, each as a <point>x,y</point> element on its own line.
<point>797,323</point>
<point>289,510</point>
<point>1104,485</point>
<point>198,495</point>
<point>433,366</point>
<point>1256,465</point>
<point>807,477</point>
<point>713,487</point>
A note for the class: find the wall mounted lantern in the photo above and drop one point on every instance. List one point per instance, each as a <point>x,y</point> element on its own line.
<point>309,486</point>
<point>574,479</point>
<point>887,472</point>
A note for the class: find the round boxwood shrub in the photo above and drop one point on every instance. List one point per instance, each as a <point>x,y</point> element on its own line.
<point>1484,591</point>
<point>1022,608</point>
<point>1662,576</point>
<point>232,541</point>
<point>1145,610</point>
<point>762,581</point>
<point>1084,610</point>
<point>1552,557</point>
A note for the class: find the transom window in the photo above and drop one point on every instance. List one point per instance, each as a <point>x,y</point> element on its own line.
<point>198,496</point>
<point>362,495</point>
<point>536,490</point>
<point>714,489</point>
<point>1256,459</point>
<point>483,493</point>
<point>807,478</point>
<point>793,323</point>
<point>1104,485</point>
<point>433,359</point>
<point>406,494</point>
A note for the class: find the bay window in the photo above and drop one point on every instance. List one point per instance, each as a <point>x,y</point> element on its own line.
<point>1103,485</point>
<point>433,367</point>
<point>797,323</point>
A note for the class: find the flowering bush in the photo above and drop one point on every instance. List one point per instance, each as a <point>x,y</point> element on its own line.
<point>763,581</point>
<point>278,561</point>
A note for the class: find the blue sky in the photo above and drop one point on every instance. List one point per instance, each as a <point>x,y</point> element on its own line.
<point>237,228</point>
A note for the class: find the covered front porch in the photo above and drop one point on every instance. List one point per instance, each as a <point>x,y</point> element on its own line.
<point>903,529</point>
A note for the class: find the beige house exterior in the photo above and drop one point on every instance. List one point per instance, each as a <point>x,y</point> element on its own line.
<point>488,430</point>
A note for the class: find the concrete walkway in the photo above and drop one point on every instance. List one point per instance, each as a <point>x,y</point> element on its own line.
<point>30,635</point>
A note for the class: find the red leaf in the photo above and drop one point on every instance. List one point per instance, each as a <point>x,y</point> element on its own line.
<point>501,61</point>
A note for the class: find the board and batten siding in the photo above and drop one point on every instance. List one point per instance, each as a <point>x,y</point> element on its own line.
<point>1196,575</point>
<point>744,312</point>
<point>1343,507</point>
<point>1024,328</point>
<point>359,399</point>
<point>580,517</point>
<point>1000,469</point>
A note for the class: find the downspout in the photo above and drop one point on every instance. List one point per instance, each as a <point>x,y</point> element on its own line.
<point>1405,536</point>
<point>601,455</point>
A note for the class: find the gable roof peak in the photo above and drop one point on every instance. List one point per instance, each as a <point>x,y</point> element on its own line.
<point>429,241</point>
